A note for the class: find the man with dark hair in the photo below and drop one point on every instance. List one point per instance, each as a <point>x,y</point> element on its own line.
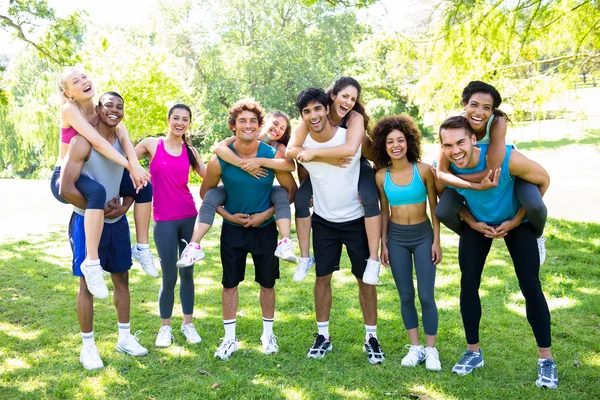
<point>487,215</point>
<point>248,225</point>
<point>338,219</point>
<point>114,249</point>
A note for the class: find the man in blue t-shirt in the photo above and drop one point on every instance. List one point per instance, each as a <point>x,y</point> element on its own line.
<point>249,226</point>
<point>491,214</point>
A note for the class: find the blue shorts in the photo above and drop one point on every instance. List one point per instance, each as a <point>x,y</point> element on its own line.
<point>114,248</point>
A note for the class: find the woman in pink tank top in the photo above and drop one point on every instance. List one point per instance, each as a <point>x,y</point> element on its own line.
<point>171,158</point>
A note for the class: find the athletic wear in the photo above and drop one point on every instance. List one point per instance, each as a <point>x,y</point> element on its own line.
<point>269,344</point>
<point>130,345</point>
<point>415,356</point>
<point>432,359</point>
<point>146,260</point>
<point>486,138</point>
<point>226,349</point>
<point>66,134</point>
<point>321,346</point>
<point>304,264</point>
<point>172,197</point>
<point>90,358</point>
<point>192,253</point>
<point>398,195</point>
<point>547,374</point>
<point>468,362</point>
<point>164,337</point>
<point>190,333</point>
<point>373,350</point>
<point>371,274</point>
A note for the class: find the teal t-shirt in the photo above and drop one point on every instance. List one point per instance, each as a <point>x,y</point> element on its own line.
<point>496,205</point>
<point>245,193</point>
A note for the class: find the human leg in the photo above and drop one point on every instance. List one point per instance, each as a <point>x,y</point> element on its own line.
<point>283,219</point>
<point>447,209</point>
<point>369,196</point>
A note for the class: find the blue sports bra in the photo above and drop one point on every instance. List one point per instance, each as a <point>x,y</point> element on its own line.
<point>413,193</point>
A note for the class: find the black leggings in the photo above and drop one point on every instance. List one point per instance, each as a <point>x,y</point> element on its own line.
<point>473,249</point>
<point>527,193</point>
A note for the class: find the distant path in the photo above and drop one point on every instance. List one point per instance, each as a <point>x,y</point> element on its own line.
<point>28,208</point>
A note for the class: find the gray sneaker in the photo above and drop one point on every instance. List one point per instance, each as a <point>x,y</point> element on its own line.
<point>547,375</point>
<point>468,362</point>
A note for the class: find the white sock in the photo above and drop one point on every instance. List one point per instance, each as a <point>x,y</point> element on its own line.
<point>194,245</point>
<point>142,246</point>
<point>370,330</point>
<point>89,262</point>
<point>267,326</point>
<point>124,330</point>
<point>323,328</point>
<point>229,325</point>
<point>88,339</point>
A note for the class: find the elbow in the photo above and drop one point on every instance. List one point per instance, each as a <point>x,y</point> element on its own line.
<point>65,190</point>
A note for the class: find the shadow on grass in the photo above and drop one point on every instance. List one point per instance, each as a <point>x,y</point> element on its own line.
<point>592,136</point>
<point>39,335</point>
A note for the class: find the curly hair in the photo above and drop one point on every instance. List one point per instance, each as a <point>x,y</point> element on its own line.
<point>245,105</point>
<point>405,124</point>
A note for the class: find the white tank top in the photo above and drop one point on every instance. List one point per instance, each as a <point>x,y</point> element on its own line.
<point>335,190</point>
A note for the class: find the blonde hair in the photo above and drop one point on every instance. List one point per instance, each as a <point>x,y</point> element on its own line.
<point>62,84</point>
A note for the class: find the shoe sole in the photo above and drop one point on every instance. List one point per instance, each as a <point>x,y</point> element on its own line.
<point>377,361</point>
<point>122,350</point>
<point>192,342</point>
<point>90,369</point>
<point>546,385</point>
<point>162,346</point>
<point>299,280</point>
<point>463,373</point>
<point>289,259</point>
<point>95,295</point>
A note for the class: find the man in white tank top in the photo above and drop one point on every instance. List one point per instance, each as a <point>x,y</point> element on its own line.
<point>338,220</point>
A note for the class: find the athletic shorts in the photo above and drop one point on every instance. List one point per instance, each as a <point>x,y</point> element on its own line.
<point>237,242</point>
<point>328,238</point>
<point>114,249</point>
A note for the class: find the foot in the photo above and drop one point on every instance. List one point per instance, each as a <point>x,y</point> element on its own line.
<point>94,279</point>
<point>320,347</point>
<point>304,264</point>
<point>192,253</point>
<point>285,251</point>
<point>189,331</point>
<point>371,274</point>
<point>130,345</point>
<point>89,358</point>
<point>415,356</point>
<point>547,375</point>
<point>468,362</point>
<point>541,242</point>
<point>432,359</point>
<point>164,337</point>
<point>374,352</point>
<point>226,349</point>
<point>269,344</point>
<point>146,260</point>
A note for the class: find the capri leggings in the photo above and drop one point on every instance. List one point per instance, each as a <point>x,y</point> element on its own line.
<point>167,237</point>
<point>405,242</point>
<point>95,193</point>
<point>218,195</point>
<point>367,188</point>
<point>528,194</point>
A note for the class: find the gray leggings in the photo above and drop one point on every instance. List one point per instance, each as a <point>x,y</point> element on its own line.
<point>167,237</point>
<point>218,195</point>
<point>404,242</point>
<point>527,193</point>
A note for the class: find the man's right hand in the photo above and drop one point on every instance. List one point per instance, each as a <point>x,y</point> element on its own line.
<point>239,218</point>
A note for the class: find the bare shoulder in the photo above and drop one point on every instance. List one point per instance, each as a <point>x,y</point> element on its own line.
<point>380,174</point>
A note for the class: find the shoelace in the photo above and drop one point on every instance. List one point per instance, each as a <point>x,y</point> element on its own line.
<point>164,332</point>
<point>548,368</point>
<point>467,357</point>
<point>136,334</point>
<point>96,276</point>
<point>320,339</point>
<point>374,343</point>
<point>430,351</point>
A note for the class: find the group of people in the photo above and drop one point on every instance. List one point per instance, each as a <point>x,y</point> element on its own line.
<point>486,190</point>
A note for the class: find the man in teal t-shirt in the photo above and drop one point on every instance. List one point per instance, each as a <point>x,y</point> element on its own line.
<point>490,214</point>
<point>249,225</point>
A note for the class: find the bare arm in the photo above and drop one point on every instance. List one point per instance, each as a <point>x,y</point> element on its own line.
<point>298,137</point>
<point>443,176</point>
<point>225,153</point>
<point>436,249</point>
<point>528,170</point>
<point>354,138</point>
<point>496,151</point>
<point>287,181</point>
<point>201,168</point>
<point>212,176</point>
<point>79,148</point>
<point>385,216</point>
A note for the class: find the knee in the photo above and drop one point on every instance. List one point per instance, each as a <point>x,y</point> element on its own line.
<point>186,274</point>
<point>96,197</point>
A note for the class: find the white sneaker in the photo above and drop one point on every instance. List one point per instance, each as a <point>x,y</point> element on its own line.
<point>371,274</point>
<point>131,345</point>
<point>146,260</point>
<point>89,358</point>
<point>189,331</point>
<point>94,279</point>
<point>285,251</point>
<point>541,242</point>
<point>164,337</point>
<point>304,264</point>
<point>432,359</point>
<point>269,344</point>
<point>226,349</point>
<point>416,355</point>
<point>190,255</point>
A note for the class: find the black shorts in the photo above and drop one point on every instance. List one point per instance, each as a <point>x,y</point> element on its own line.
<point>237,242</point>
<point>328,238</point>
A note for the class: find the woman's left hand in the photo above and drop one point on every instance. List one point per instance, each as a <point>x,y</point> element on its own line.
<point>436,253</point>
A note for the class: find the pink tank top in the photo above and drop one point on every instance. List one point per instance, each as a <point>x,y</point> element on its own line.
<point>66,134</point>
<point>172,199</point>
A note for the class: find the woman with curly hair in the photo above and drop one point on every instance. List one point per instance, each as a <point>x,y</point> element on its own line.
<point>405,184</point>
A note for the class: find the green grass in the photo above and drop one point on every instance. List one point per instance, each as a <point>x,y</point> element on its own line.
<point>590,137</point>
<point>40,341</point>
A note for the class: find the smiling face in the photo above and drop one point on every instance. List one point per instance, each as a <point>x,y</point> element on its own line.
<point>478,110</point>
<point>77,85</point>
<point>457,145</point>
<point>275,127</point>
<point>314,116</point>
<point>344,101</point>
<point>396,145</point>
<point>246,126</point>
<point>111,110</point>
<point>179,122</point>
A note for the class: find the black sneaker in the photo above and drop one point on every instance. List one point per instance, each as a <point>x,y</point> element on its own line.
<point>320,347</point>
<point>374,352</point>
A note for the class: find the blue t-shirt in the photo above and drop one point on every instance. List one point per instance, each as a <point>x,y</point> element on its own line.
<point>496,205</point>
<point>245,193</point>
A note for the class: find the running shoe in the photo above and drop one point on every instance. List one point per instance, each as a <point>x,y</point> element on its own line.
<point>371,274</point>
<point>94,279</point>
<point>373,350</point>
<point>432,359</point>
<point>130,345</point>
<point>146,260</point>
<point>547,375</point>
<point>90,358</point>
<point>541,243</point>
<point>164,337</point>
<point>320,347</point>
<point>304,264</point>
<point>415,356</point>
<point>190,333</point>
<point>468,362</point>
<point>269,344</point>
<point>190,255</point>
<point>285,251</point>
<point>226,349</point>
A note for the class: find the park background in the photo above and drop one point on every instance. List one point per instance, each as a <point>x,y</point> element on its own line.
<point>410,56</point>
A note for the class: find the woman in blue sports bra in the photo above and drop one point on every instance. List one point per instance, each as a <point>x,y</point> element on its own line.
<point>405,185</point>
